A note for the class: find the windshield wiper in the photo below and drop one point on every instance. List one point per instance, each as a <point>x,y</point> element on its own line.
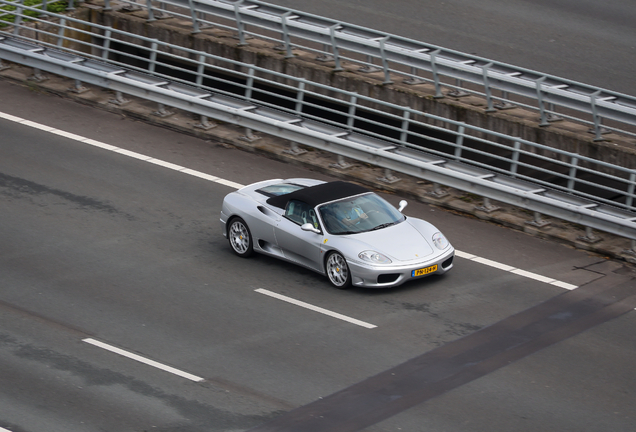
<point>384,225</point>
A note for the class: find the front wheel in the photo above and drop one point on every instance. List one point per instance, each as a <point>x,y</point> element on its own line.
<point>338,271</point>
<point>240,238</point>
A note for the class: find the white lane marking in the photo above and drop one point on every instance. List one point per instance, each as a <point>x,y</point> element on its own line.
<point>523,273</point>
<point>4,430</point>
<point>315,308</point>
<point>121,151</point>
<point>143,360</point>
<point>494,264</point>
<point>235,185</point>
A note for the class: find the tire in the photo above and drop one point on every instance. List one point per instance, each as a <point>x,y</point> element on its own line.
<point>337,270</point>
<point>240,237</point>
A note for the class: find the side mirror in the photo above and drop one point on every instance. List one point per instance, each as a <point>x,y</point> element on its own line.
<point>403,204</point>
<point>309,227</point>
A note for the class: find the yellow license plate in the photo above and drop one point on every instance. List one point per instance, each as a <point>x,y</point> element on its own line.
<point>424,271</point>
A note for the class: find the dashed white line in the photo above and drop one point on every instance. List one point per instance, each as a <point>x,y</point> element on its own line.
<point>144,360</point>
<point>315,308</point>
<point>169,165</point>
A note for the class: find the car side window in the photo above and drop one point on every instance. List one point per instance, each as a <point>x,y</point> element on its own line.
<point>301,213</point>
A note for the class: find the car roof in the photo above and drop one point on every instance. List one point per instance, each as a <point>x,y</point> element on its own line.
<point>319,194</point>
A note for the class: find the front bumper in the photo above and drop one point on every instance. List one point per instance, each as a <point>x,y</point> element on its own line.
<point>393,275</point>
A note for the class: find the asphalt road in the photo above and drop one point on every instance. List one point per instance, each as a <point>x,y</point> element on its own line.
<point>583,40</point>
<point>98,244</point>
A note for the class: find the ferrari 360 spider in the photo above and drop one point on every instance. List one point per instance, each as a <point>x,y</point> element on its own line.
<point>339,229</point>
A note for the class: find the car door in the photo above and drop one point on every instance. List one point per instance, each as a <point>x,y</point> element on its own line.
<point>302,247</point>
<point>262,222</point>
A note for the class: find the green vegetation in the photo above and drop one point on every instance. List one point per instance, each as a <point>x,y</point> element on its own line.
<point>57,7</point>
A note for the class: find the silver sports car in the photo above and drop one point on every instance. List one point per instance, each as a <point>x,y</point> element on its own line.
<point>339,229</point>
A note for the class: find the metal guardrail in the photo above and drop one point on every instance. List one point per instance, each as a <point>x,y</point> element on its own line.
<point>347,128</point>
<point>502,85</point>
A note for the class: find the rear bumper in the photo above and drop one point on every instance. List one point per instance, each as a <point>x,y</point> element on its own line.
<point>392,276</point>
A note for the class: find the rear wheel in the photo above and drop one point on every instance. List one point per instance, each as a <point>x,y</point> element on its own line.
<point>338,271</point>
<point>240,237</point>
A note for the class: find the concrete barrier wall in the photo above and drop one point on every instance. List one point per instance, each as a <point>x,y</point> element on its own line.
<point>562,135</point>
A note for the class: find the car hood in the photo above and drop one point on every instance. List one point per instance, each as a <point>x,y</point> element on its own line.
<point>402,242</point>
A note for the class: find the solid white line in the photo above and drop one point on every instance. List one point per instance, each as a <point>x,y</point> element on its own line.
<point>519,272</point>
<point>494,264</point>
<point>564,285</point>
<point>4,430</point>
<point>315,308</point>
<point>143,360</point>
<point>235,185</point>
<point>122,151</point>
<point>531,275</point>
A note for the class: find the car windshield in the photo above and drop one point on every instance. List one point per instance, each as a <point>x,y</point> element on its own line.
<point>358,214</point>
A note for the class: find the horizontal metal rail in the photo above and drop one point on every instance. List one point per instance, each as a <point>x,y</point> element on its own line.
<point>345,112</point>
<point>415,61</point>
<point>244,112</point>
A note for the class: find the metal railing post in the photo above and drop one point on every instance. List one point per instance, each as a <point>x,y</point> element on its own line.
<point>17,21</point>
<point>404,132</point>
<point>598,126</point>
<point>286,40</point>
<point>78,87</point>
<point>300,98</point>
<point>152,61</point>
<point>249,84</point>
<point>385,62</point>
<point>106,45</point>
<point>204,124</point>
<point>438,191</point>
<point>572,174</point>
<point>351,114</point>
<point>389,177</point>
<point>487,206</point>
<point>438,87</point>
<point>459,142</point>
<point>538,221</point>
<point>515,158</point>
<point>249,136</point>
<point>543,118</point>
<point>60,32</point>
<point>200,70</point>
<point>195,19</point>
<point>294,149</point>
<point>119,99</point>
<point>334,47</point>
<point>487,88</point>
<point>630,189</point>
<point>240,27</point>
<point>151,13</point>
<point>589,236</point>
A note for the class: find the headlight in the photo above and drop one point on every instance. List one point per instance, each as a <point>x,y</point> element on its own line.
<point>374,257</point>
<point>440,241</point>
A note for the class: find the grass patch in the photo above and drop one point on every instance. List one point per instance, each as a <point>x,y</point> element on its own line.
<point>6,18</point>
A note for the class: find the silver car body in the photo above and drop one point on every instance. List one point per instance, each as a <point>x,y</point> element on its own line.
<point>409,244</point>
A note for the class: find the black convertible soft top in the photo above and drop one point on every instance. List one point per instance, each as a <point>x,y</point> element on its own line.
<point>322,193</point>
